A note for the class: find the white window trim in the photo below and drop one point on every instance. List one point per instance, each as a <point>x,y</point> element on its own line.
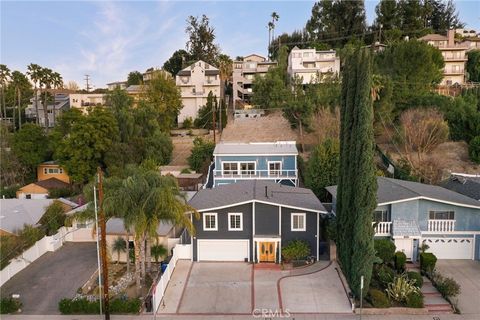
<point>205,221</point>
<point>229,162</point>
<point>239,170</point>
<point>295,214</point>
<point>241,221</point>
<point>277,161</point>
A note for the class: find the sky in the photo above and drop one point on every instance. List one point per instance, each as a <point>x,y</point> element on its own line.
<point>108,39</point>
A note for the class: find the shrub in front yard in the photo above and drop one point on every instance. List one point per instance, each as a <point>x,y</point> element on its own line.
<point>295,250</point>
<point>415,300</point>
<point>474,149</point>
<point>427,262</point>
<point>83,306</point>
<point>378,298</point>
<point>447,287</point>
<point>401,288</point>
<point>385,249</point>
<point>412,275</point>
<point>9,305</point>
<point>400,260</point>
<point>385,275</point>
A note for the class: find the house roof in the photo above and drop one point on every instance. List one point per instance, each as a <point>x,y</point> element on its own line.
<point>468,186</point>
<point>247,191</point>
<point>256,148</point>
<point>15,213</point>
<point>433,37</point>
<point>115,226</point>
<point>52,183</point>
<point>405,228</point>
<point>395,190</point>
<point>68,202</point>
<point>49,163</point>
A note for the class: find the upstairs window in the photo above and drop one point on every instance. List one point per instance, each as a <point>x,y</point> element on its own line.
<point>274,168</point>
<point>230,167</point>
<point>382,216</point>
<point>235,221</point>
<point>298,222</point>
<point>247,167</point>
<point>210,221</point>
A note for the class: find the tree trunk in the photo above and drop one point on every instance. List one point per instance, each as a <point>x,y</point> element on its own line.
<point>36,105</point>
<point>13,109</point>
<point>148,253</point>
<point>138,260</point>
<point>300,127</point>
<point>128,252</point>
<point>118,256</point>
<point>142,248</point>
<point>45,109</point>
<point>4,108</point>
<point>19,109</point>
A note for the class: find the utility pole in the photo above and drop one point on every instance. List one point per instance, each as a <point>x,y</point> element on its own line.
<point>214,111</point>
<point>103,245</point>
<point>220,117</point>
<point>87,79</point>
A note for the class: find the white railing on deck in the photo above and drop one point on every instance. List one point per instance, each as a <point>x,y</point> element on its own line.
<point>383,228</point>
<point>445,225</point>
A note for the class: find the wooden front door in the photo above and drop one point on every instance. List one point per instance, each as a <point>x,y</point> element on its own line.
<point>267,251</point>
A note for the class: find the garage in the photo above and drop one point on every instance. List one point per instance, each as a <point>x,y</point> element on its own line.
<point>223,250</point>
<point>450,248</point>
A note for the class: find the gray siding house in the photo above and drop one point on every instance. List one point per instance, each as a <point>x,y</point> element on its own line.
<point>252,220</point>
<point>412,214</point>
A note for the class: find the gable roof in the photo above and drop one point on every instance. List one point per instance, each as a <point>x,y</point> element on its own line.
<point>116,226</point>
<point>433,37</point>
<point>395,190</point>
<point>254,190</point>
<point>468,186</point>
<point>52,183</point>
<point>256,148</point>
<point>17,212</point>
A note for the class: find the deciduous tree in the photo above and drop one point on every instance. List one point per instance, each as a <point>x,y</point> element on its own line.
<point>201,40</point>
<point>134,78</point>
<point>179,60</point>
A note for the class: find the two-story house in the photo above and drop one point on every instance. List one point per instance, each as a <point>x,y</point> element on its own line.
<point>82,101</point>
<point>50,176</point>
<point>274,161</point>
<point>244,72</point>
<point>453,54</point>
<point>412,214</point>
<point>195,83</point>
<point>60,104</point>
<point>312,65</point>
<point>252,220</point>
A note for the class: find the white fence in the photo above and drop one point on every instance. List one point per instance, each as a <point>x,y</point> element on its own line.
<point>181,251</point>
<point>42,246</point>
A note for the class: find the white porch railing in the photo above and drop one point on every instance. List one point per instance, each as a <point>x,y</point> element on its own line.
<point>445,225</point>
<point>383,228</point>
<point>255,174</point>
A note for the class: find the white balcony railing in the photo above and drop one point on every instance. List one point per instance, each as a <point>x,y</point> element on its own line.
<point>383,228</point>
<point>441,225</point>
<point>256,174</point>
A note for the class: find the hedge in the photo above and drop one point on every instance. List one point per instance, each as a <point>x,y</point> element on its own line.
<point>427,262</point>
<point>385,249</point>
<point>9,305</point>
<point>400,260</point>
<point>83,306</point>
<point>415,300</point>
<point>378,298</point>
<point>417,277</point>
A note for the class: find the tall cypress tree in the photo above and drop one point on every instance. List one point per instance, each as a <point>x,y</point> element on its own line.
<point>356,198</point>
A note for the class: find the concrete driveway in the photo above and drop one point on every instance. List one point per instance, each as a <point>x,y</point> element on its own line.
<point>52,277</point>
<point>317,292</point>
<point>218,287</point>
<point>467,274</point>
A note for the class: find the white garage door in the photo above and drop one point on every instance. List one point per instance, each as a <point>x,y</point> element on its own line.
<point>223,250</point>
<point>450,248</point>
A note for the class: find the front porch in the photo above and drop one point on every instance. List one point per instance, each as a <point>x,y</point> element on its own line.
<point>267,249</point>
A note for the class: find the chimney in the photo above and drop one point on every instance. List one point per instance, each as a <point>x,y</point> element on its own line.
<point>451,37</point>
<point>266,191</point>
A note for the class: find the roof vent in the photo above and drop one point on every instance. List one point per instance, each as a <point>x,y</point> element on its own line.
<point>266,191</point>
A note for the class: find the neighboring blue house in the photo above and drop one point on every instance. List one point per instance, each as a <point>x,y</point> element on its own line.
<point>271,161</point>
<point>466,184</point>
<point>413,213</point>
<point>252,220</point>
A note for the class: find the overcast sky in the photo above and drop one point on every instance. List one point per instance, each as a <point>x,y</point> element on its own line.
<point>108,39</point>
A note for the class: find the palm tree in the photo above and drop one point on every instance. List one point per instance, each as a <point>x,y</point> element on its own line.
<point>57,83</point>
<point>18,79</point>
<point>4,75</point>
<point>119,245</point>
<point>158,251</point>
<point>46,80</point>
<point>143,200</point>
<point>34,71</point>
<point>271,26</point>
